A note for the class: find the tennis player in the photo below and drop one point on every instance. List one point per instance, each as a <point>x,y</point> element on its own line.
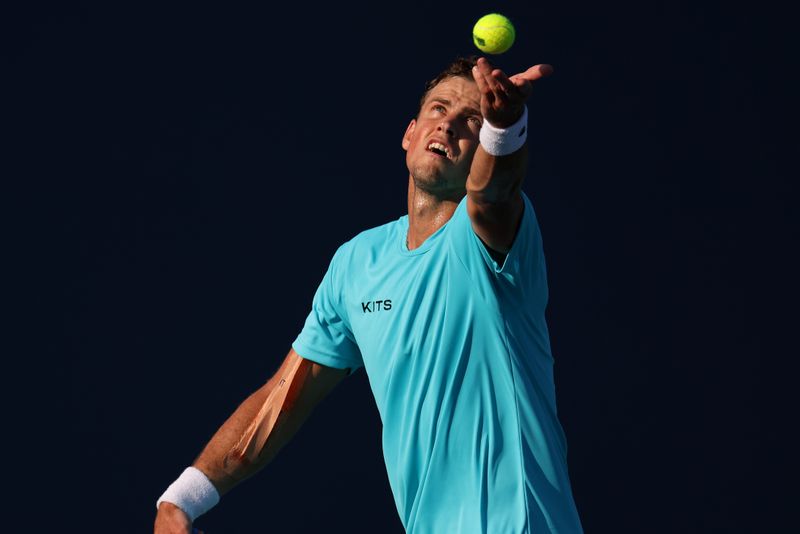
<point>444,308</point>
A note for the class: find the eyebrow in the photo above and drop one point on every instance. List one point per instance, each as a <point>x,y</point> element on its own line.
<point>446,102</point>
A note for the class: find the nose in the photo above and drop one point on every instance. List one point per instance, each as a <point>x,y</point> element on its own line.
<point>447,127</point>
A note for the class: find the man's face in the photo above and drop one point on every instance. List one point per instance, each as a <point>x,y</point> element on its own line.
<point>441,142</point>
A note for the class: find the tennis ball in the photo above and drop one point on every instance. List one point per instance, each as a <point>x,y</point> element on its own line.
<point>493,33</point>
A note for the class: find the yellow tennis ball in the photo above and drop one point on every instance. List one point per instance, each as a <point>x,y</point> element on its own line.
<point>493,33</point>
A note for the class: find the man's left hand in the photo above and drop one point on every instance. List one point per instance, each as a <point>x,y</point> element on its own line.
<point>502,97</point>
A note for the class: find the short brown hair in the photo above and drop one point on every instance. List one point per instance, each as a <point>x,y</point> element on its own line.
<point>461,67</point>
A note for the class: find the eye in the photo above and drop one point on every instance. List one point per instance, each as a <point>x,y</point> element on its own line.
<point>439,108</point>
<point>476,121</point>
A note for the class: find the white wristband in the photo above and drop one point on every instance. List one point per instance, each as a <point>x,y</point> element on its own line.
<point>503,141</point>
<point>192,492</point>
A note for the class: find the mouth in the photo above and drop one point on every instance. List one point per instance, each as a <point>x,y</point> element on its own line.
<point>439,149</point>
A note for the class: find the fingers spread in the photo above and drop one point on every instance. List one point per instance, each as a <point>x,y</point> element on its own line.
<point>492,83</point>
<point>502,95</point>
<point>502,80</point>
<point>483,85</point>
<point>480,79</point>
<point>535,72</point>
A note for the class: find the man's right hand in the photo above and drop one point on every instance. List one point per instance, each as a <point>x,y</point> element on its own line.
<point>172,520</point>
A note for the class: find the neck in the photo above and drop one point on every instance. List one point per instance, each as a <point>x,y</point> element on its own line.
<point>427,212</point>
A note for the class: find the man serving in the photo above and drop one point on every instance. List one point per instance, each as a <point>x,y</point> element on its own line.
<point>445,310</point>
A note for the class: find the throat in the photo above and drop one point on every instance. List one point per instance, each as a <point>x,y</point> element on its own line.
<point>423,225</point>
<point>428,212</point>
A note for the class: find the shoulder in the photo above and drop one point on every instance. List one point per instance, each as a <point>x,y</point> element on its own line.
<point>368,243</point>
<point>469,246</point>
<point>377,235</point>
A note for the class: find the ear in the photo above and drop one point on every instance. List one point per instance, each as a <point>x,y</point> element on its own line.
<point>409,133</point>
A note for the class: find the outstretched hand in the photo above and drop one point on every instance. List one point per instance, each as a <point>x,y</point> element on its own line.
<point>502,97</point>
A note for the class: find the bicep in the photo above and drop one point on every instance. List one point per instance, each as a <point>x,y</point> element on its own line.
<point>319,380</point>
<point>272,415</point>
<point>496,223</point>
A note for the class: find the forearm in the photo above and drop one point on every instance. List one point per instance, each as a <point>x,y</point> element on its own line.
<point>219,460</point>
<point>496,179</point>
<point>248,440</point>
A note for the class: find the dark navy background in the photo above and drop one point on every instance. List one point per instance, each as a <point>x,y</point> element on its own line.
<point>198,166</point>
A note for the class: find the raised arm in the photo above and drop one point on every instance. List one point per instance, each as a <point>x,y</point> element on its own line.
<point>257,430</point>
<point>494,202</point>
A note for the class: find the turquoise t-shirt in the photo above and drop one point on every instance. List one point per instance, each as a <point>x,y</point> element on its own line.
<point>457,354</point>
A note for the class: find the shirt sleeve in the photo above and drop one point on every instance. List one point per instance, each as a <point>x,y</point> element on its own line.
<point>524,263</point>
<point>326,337</point>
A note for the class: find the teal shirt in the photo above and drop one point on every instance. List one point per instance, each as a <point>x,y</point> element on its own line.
<point>457,354</point>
